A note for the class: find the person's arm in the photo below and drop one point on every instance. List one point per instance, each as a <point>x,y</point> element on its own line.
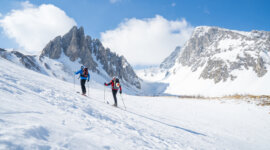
<point>78,72</point>
<point>120,89</point>
<point>108,83</point>
<point>88,77</point>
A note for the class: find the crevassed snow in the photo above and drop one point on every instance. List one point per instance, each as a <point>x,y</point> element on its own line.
<point>41,112</point>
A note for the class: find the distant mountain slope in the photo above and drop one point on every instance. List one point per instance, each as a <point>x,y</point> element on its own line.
<point>217,61</point>
<point>223,51</point>
<point>27,61</point>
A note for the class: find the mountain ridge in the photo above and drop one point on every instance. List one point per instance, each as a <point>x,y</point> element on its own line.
<point>65,54</point>
<point>217,57</point>
<point>91,53</point>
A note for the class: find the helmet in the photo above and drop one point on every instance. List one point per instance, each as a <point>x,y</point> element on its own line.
<point>82,67</point>
<point>114,77</point>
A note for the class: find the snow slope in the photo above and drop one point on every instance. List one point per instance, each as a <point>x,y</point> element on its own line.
<point>41,112</point>
<point>182,83</point>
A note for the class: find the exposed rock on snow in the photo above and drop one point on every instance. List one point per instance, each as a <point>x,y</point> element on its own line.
<point>26,60</point>
<point>221,51</point>
<point>216,59</point>
<point>91,54</point>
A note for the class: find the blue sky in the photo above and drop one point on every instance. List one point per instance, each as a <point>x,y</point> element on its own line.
<point>99,16</point>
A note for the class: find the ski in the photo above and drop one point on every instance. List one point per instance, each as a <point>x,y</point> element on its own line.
<point>105,101</point>
<point>82,94</point>
<point>111,104</point>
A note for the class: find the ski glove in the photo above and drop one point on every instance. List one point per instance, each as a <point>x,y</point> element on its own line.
<point>87,80</point>
<point>120,92</point>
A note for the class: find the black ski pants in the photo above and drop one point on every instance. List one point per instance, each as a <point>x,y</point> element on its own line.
<point>83,86</point>
<point>114,92</point>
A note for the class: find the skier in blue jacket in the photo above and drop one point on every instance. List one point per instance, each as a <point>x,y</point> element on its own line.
<point>84,75</point>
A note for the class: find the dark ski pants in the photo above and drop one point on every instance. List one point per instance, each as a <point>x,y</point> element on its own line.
<point>83,86</point>
<point>114,92</point>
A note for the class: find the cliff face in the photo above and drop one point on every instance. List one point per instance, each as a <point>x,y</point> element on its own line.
<point>91,54</point>
<point>219,52</point>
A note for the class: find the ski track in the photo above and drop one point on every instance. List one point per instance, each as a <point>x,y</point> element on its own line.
<point>39,112</point>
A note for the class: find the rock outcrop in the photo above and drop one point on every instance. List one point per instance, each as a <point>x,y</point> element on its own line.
<point>91,54</point>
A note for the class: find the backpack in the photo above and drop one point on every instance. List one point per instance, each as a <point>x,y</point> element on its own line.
<point>116,84</point>
<point>85,72</point>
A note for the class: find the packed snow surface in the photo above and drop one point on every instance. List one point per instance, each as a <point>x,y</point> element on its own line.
<point>41,112</point>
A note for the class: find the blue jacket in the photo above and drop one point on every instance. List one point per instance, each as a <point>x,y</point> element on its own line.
<point>82,77</point>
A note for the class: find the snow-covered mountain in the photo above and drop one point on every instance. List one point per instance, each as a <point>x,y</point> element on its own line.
<point>91,53</point>
<point>217,61</point>
<point>64,55</point>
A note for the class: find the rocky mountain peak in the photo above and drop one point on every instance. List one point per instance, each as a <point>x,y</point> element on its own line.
<point>219,52</point>
<point>91,54</point>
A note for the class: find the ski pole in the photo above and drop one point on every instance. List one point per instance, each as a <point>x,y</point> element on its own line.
<point>74,81</point>
<point>88,89</point>
<point>104,93</point>
<point>123,101</point>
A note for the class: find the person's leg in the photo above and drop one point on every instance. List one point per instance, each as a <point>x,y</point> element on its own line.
<point>83,86</point>
<point>114,97</point>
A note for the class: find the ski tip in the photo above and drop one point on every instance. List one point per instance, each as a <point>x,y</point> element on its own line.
<point>114,105</point>
<point>84,95</point>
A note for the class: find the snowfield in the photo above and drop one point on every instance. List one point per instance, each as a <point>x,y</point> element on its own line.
<point>41,112</point>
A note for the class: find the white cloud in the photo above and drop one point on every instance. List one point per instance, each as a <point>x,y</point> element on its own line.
<point>147,41</point>
<point>114,1</point>
<point>1,15</point>
<point>33,27</point>
<point>27,4</point>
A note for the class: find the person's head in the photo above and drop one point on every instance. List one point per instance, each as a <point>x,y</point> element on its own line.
<point>82,67</point>
<point>114,78</point>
